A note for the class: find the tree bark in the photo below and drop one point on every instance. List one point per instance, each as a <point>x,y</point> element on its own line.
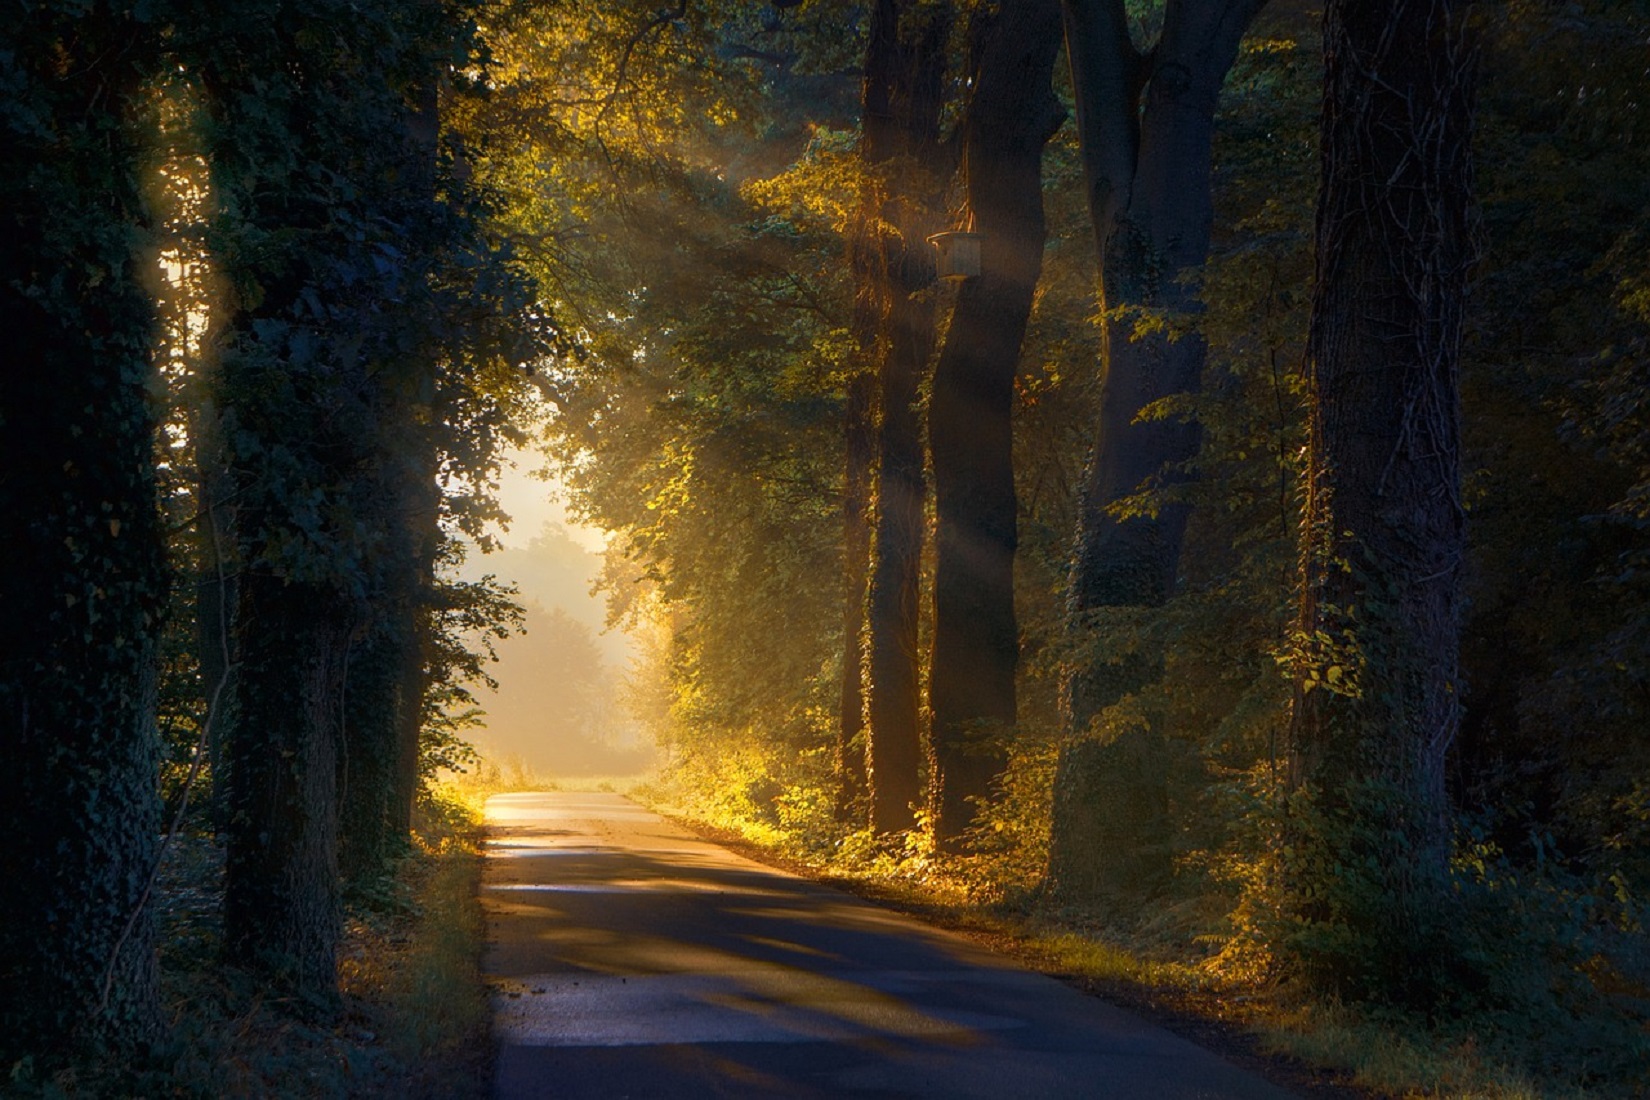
<point>215,599</point>
<point>409,724</point>
<point>84,584</point>
<point>424,524</point>
<point>368,836</point>
<point>419,496</point>
<point>859,440</point>
<point>903,160</point>
<point>1146,124</point>
<point>1378,688</point>
<point>1010,117</point>
<point>385,685</point>
<point>303,409</point>
<point>281,901</point>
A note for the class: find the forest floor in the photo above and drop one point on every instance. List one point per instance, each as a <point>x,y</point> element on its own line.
<point>411,1023</point>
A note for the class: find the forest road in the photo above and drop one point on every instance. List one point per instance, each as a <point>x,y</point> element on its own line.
<point>629,958</point>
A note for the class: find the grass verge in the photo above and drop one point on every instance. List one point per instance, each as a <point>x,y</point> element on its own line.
<point>1316,1048</point>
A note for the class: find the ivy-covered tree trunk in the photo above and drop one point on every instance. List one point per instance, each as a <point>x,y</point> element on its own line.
<point>1146,125</point>
<point>409,720</point>
<point>308,155</point>
<point>84,582</point>
<point>384,686</point>
<point>1010,117</point>
<point>1378,691</point>
<point>418,518</point>
<point>902,156</point>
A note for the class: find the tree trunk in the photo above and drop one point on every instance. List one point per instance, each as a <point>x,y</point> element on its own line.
<point>84,583</point>
<point>1378,689</point>
<point>1011,115</point>
<point>414,683</point>
<point>893,731</point>
<point>301,419</point>
<point>324,384</point>
<point>423,522</point>
<point>419,518</point>
<point>384,687</point>
<point>367,774</point>
<point>859,440</point>
<point>281,907</point>
<point>1146,124</point>
<point>903,157</point>
<point>215,600</point>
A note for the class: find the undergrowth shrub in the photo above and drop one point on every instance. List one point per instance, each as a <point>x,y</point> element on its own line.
<point>411,1023</point>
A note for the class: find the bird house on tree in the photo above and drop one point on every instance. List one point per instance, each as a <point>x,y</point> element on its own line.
<point>958,254</point>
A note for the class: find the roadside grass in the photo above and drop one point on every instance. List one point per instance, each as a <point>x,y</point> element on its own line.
<point>1364,1052</point>
<point>412,1021</point>
<point>428,980</point>
<point>1394,1061</point>
<point>1315,1045</point>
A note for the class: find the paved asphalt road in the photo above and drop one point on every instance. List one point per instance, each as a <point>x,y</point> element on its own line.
<point>632,959</point>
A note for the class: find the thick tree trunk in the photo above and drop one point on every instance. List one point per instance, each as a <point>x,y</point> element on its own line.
<point>1378,688</point>
<point>1146,123</point>
<point>82,594</point>
<point>859,441</point>
<point>84,581</point>
<point>1011,115</point>
<point>301,423</point>
<point>281,905</point>
<point>892,689</point>
<point>321,383</point>
<point>903,157</point>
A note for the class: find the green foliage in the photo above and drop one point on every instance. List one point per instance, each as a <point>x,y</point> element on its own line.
<point>1006,856</point>
<point>1200,672</point>
<point>755,788</point>
<point>468,620</point>
<point>1545,967</point>
<point>659,176</point>
<point>1349,869</point>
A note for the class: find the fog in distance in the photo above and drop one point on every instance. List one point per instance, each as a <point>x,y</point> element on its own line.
<point>558,708</point>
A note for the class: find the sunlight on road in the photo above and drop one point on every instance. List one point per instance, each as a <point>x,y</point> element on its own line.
<point>613,929</point>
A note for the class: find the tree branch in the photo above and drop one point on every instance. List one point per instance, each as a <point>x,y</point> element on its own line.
<point>621,72</point>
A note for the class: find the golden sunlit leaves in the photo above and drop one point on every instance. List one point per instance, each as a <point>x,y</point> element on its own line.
<point>822,187</point>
